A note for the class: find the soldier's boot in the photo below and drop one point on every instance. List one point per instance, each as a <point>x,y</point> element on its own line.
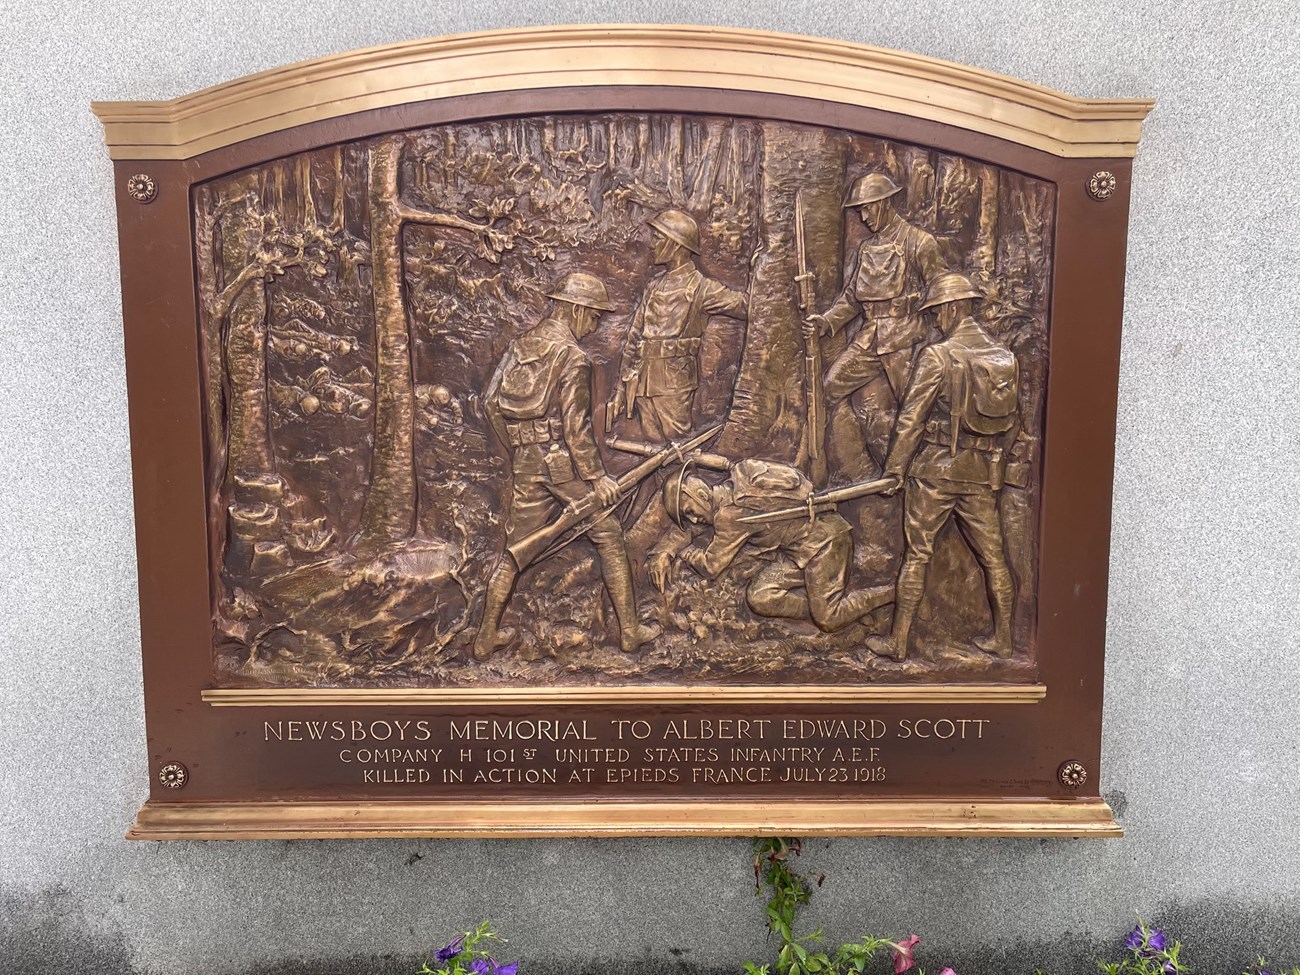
<point>614,566</point>
<point>907,599</point>
<point>852,607</point>
<point>492,636</point>
<point>1003,595</point>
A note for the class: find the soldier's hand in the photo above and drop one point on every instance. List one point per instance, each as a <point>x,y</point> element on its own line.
<point>660,564</point>
<point>616,404</point>
<point>606,490</point>
<point>893,489</point>
<point>814,326</point>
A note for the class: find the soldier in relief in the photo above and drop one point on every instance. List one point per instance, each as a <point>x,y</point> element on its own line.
<point>956,424</point>
<point>539,405</point>
<point>660,364</point>
<point>890,272</point>
<point>808,557</point>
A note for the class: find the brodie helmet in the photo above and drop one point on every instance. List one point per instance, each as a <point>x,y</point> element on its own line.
<point>870,188</point>
<point>951,286</point>
<point>678,226</point>
<point>583,289</point>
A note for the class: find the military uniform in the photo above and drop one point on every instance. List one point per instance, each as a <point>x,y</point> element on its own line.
<point>808,560</point>
<point>951,470</point>
<point>539,403</point>
<point>891,270</point>
<point>661,361</point>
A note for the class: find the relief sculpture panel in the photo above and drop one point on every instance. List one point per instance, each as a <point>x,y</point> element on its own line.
<point>623,398</point>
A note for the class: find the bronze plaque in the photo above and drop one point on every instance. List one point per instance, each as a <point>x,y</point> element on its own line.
<point>639,449</point>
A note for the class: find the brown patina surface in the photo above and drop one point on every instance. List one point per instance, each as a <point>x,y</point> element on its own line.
<point>311,517</point>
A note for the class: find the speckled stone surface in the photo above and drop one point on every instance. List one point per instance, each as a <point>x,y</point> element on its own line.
<point>1202,738</point>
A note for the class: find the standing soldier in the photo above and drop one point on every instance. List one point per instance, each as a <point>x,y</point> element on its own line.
<point>954,429</point>
<point>660,367</point>
<point>894,265</point>
<point>539,405</point>
<point>808,557</point>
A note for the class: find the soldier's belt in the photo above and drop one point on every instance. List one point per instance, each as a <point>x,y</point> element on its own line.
<point>669,348</point>
<point>940,434</point>
<point>886,308</point>
<point>544,429</point>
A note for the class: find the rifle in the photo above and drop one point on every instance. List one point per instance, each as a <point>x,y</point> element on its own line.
<point>712,462</point>
<point>529,548</point>
<point>821,501</point>
<point>812,358</point>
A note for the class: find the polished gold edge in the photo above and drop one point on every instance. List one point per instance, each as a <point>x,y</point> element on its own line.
<point>262,697</point>
<point>624,55</point>
<point>338,820</point>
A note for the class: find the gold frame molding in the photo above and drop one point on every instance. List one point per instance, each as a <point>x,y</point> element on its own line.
<point>340,820</point>
<point>257,697</point>
<point>624,54</point>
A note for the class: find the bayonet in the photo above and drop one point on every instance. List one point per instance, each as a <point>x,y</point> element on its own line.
<point>821,501</point>
<point>816,428</point>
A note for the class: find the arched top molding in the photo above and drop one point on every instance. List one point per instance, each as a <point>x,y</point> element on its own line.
<point>623,54</point>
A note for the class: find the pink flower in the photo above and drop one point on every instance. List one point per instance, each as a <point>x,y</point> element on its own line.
<point>903,959</point>
<point>947,971</point>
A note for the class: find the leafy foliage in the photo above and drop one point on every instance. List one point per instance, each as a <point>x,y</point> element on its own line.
<point>802,955</point>
<point>1147,952</point>
<point>1261,967</point>
<point>468,955</point>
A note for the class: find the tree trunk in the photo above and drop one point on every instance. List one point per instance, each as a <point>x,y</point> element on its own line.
<point>769,406</point>
<point>249,450</point>
<point>205,255</point>
<point>389,513</point>
<point>984,260</point>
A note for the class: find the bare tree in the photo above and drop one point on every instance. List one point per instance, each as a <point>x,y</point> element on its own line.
<point>389,514</point>
<point>254,250</point>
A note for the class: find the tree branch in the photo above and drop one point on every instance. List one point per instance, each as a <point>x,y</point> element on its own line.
<point>222,303</point>
<point>409,214</point>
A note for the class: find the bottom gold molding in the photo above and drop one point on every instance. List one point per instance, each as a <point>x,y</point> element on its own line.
<point>903,817</point>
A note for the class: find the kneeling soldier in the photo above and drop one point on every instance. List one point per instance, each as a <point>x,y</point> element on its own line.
<point>950,442</point>
<point>809,559</point>
<point>539,404</point>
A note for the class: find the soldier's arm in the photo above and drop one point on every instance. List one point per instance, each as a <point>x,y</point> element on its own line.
<point>631,360</point>
<point>575,408</point>
<point>915,410</point>
<point>492,402</point>
<point>717,299</point>
<point>729,537</point>
<point>845,307</point>
<point>928,257</point>
<point>671,543</point>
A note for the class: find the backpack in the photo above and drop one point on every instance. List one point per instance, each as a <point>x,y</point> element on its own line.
<point>985,388</point>
<point>763,485</point>
<point>529,375</point>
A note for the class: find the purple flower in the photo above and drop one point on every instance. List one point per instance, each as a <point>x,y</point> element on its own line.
<point>479,966</point>
<point>452,950</point>
<point>1146,943</point>
<point>511,969</point>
